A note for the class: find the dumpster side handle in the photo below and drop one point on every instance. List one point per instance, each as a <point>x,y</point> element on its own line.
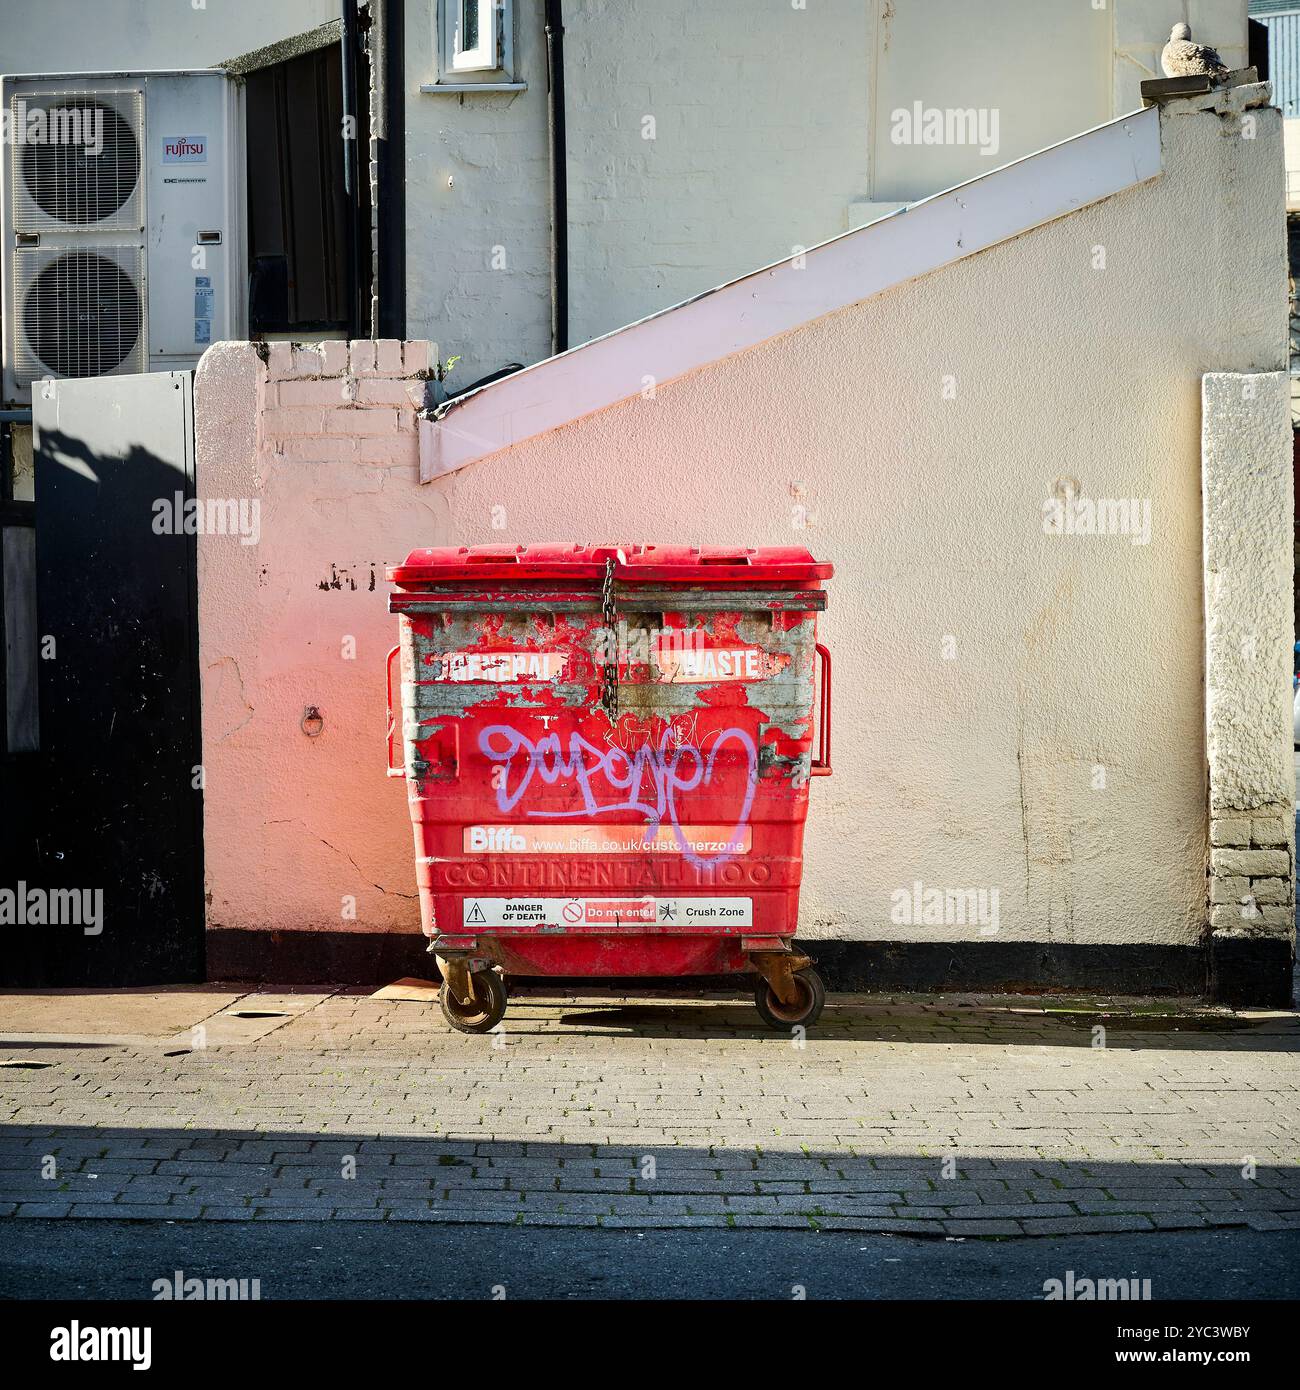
<point>821,764</point>
<point>395,768</point>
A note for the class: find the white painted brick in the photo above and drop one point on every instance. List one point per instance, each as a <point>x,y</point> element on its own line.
<point>292,420</point>
<point>1238,916</point>
<point>361,423</point>
<point>361,357</point>
<point>419,356</point>
<point>1253,863</point>
<point>1229,832</point>
<point>336,357</point>
<point>279,361</point>
<point>328,391</point>
<point>1270,831</point>
<point>1270,890</point>
<point>393,451</point>
<point>1263,919</point>
<point>1229,915</point>
<point>388,357</point>
<point>319,449</point>
<point>308,361</point>
<point>380,391</point>
<point>1230,890</point>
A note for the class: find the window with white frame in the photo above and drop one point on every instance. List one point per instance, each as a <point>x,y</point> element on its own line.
<point>476,36</point>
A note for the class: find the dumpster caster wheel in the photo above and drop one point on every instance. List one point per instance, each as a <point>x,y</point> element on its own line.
<point>804,1012</point>
<point>484,1011</point>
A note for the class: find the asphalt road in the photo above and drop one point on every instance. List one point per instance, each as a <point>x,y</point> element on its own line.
<point>101,1259</point>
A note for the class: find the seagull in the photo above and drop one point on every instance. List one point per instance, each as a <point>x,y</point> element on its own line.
<point>1180,57</point>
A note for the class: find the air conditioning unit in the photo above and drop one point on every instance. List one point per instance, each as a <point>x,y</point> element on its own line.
<point>122,243</point>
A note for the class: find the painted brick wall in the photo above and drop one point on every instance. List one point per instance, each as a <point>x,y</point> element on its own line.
<point>339,401</point>
<point>306,832</point>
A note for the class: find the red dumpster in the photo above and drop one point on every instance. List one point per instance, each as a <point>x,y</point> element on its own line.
<point>607,752</point>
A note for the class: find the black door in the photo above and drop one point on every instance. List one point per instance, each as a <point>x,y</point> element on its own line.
<point>115,832</point>
<point>298,204</point>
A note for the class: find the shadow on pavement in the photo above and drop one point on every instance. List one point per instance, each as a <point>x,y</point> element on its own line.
<point>234,1174</point>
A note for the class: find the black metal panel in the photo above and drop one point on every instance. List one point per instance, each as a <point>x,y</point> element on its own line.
<point>118,811</point>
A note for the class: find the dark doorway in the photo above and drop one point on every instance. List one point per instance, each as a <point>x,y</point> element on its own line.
<point>110,840</point>
<point>301,261</point>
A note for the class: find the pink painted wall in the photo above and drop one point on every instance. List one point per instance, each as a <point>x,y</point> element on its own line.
<point>301,832</point>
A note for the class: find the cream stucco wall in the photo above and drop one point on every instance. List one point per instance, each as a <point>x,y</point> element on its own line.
<point>1001,59</point>
<point>1014,710</point>
<point>79,36</point>
<point>771,130</point>
<point>1077,659</point>
<point>1249,524</point>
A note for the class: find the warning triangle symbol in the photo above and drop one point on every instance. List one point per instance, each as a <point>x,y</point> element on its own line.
<point>476,914</point>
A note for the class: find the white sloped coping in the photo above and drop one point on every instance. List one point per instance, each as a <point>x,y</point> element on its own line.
<point>1004,203</point>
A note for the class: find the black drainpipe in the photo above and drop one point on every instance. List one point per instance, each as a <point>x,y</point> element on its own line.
<point>392,176</point>
<point>351,45</point>
<point>559,177</point>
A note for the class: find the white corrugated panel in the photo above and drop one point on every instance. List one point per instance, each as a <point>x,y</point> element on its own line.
<point>1283,58</point>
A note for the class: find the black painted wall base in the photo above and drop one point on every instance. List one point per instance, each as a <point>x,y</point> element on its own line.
<point>1251,972</point>
<point>1238,972</point>
<point>1018,967</point>
<point>316,957</point>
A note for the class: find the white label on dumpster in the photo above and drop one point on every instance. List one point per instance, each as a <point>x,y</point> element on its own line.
<point>698,666</point>
<point>606,839</point>
<point>608,912</point>
<point>501,667</point>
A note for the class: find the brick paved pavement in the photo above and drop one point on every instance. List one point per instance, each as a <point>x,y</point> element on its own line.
<point>959,1117</point>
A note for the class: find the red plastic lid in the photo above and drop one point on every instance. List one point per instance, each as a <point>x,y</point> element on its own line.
<point>672,564</point>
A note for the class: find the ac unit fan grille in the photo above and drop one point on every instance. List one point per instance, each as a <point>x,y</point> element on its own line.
<point>82,315</point>
<point>78,161</point>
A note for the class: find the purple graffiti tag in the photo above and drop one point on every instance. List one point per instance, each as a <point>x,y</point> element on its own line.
<point>646,781</point>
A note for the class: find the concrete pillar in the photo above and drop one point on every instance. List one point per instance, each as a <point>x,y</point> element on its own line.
<point>1247,498</point>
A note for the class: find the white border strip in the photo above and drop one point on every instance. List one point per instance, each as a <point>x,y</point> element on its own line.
<point>854,266</point>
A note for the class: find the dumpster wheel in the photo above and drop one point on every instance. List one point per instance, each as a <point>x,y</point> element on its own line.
<point>803,1012</point>
<point>486,1007</point>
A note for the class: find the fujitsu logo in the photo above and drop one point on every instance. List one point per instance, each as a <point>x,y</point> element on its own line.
<point>185,149</point>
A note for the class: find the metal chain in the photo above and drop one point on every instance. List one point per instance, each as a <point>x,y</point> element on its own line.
<point>609,672</point>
